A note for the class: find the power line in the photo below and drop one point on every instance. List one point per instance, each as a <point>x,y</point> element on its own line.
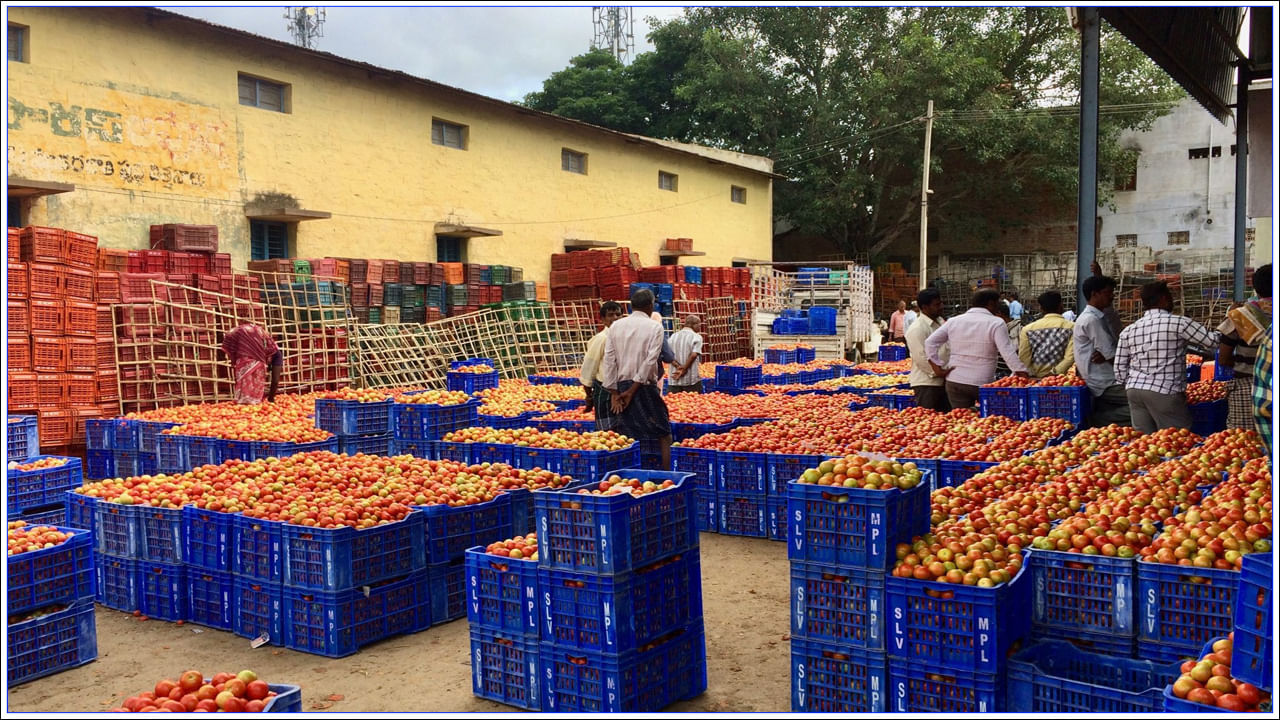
<point>892,130</point>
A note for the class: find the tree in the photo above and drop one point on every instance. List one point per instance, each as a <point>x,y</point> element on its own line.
<point>836,96</point>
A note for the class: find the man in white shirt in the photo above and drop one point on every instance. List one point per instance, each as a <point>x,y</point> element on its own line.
<point>913,312</point>
<point>1069,314</point>
<point>592,374</point>
<point>976,339</point>
<point>927,386</point>
<point>686,346</point>
<point>1093,342</point>
<point>632,374</point>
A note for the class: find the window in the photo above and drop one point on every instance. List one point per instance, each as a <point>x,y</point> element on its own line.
<point>1200,153</point>
<point>1250,234</point>
<point>448,134</point>
<point>17,43</point>
<point>1126,171</point>
<point>270,240</point>
<point>738,194</point>
<point>1216,151</point>
<point>1181,237</point>
<point>259,93</point>
<point>450,249</point>
<point>1126,241</point>
<point>15,213</point>
<point>574,162</point>
<point>668,181</point>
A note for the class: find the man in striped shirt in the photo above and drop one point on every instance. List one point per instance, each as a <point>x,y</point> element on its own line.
<point>1151,361</point>
<point>1262,390</point>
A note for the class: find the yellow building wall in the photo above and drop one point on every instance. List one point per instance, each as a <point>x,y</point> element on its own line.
<point>143,116</point>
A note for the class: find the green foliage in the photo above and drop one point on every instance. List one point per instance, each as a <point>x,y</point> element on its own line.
<point>836,96</point>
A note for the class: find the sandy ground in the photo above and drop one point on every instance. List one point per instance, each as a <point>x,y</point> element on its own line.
<point>745,583</point>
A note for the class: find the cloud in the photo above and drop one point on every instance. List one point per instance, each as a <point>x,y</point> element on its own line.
<point>502,52</point>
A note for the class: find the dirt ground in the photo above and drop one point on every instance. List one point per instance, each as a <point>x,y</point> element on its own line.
<point>745,583</point>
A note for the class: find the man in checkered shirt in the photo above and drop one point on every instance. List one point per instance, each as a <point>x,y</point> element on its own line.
<point>1151,361</point>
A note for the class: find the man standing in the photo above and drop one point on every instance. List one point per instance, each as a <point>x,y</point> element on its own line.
<point>1241,332</point>
<point>913,312</point>
<point>250,349</point>
<point>1094,347</point>
<point>1069,314</point>
<point>927,385</point>
<point>1015,336</point>
<point>592,373</point>
<point>897,323</point>
<point>686,345</point>
<point>1045,345</point>
<point>1151,361</point>
<point>976,339</point>
<point>1015,307</point>
<point>1262,390</point>
<point>632,373</point>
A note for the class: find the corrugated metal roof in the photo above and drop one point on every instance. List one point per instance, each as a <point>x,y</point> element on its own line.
<point>1195,45</point>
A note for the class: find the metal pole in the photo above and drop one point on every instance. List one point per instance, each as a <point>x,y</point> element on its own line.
<point>924,197</point>
<point>1242,176</point>
<point>1087,212</point>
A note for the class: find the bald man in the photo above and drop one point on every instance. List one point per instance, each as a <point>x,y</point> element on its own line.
<point>686,345</point>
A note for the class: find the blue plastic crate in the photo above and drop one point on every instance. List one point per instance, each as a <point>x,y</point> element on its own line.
<point>833,678</point>
<point>367,444</point>
<point>81,512</point>
<point>38,488</point>
<point>111,434</point>
<point>632,682</point>
<point>782,469</point>
<point>131,463</point>
<point>822,321</point>
<point>776,515</point>
<point>1252,653</point>
<point>148,432</point>
<point>1162,653</point>
<point>471,362</point>
<point>257,549</point>
<point>204,450</point>
<point>241,450</point>
<point>1173,704</point>
<point>928,465</point>
<point>448,589</point>
<point>23,438</point>
<point>159,533</point>
<point>47,515</point>
<point>257,609</point>
<point>779,357</point>
<point>528,458</point>
<point>839,605</point>
<point>1222,373</point>
<point>1091,593</point>
<point>471,383</point>
<point>426,449</point>
<point>651,455</point>
<point>574,425</point>
<point>708,517</point>
<point>1071,403</point>
<point>456,451</point>
<point>689,431</point>
<point>1193,373</point>
<point>592,464</point>
<point>492,453</point>
<point>500,422</point>
<point>288,699</point>
<point>1209,417</point>
<point>742,472</point>
<point>806,355</point>
<point>172,453</point>
<point>621,612</point>
<point>505,668</point>
<point>860,532</point>
<point>701,464</point>
<point>745,514</point>
<point>892,353</point>
<point>337,624</point>
<point>599,534</point>
<point>1185,606</point>
<point>99,464</point>
<point>341,558</point>
<point>50,644</point>
<point>893,402</point>
<point>917,686</point>
<point>1011,402</point>
<point>450,531</point>
<point>352,417</point>
<point>955,472</point>
<point>733,376</point>
<point>117,530</point>
<point>1090,642</point>
<point>502,594</point>
<point>959,627</point>
<point>693,274</point>
<point>116,585</point>
<point>162,590</point>
<point>48,576</point>
<point>207,538</point>
<point>523,521</point>
<point>209,598</point>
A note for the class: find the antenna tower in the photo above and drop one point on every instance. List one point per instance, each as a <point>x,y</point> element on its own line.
<point>614,31</point>
<point>305,24</point>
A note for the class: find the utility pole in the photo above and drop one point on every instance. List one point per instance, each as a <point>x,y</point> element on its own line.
<point>925,192</point>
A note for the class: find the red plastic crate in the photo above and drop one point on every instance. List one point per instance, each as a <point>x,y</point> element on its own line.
<point>113,260</point>
<point>678,244</point>
<point>82,389</point>
<point>79,284</point>
<point>185,238</point>
<point>359,295</point>
<point>81,319</point>
<point>55,427</point>
<point>390,271</point>
<point>561,261</point>
<point>19,318</point>
<point>662,274</point>
<point>200,264</point>
<point>106,328</point>
<point>42,244</point>
<point>44,280</point>
<point>48,354</point>
<point>136,287</point>
<point>585,259</point>
<point>108,385</point>
<point>15,244</point>
<point>220,263</point>
<point>81,354</point>
<point>208,282</point>
<point>104,353</point>
<point>51,391</point>
<point>19,354</point>
<point>617,275</point>
<point>137,320</point>
<point>18,280</point>
<point>78,417</point>
<point>23,391</point>
<point>147,261</point>
<point>107,287</point>
<point>81,250</point>
<point>177,262</point>
<point>45,317</point>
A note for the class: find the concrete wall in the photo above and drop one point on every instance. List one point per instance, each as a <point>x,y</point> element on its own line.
<point>140,111</point>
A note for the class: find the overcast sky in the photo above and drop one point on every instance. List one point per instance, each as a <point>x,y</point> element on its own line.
<point>502,52</point>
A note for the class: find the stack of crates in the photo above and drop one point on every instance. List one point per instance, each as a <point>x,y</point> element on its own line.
<point>39,499</point>
<point>450,532</point>
<point>361,427</point>
<point>742,497</point>
<point>844,657</point>
<point>503,608</point>
<point>620,618</point>
<point>114,449</point>
<point>1088,600</point>
<point>471,382</point>
<point>703,466</point>
<point>51,624</point>
<point>416,427</point>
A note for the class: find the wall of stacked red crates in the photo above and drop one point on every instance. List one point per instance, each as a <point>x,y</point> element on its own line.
<point>608,275</point>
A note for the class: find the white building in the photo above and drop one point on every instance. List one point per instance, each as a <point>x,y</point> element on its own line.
<point>1182,196</point>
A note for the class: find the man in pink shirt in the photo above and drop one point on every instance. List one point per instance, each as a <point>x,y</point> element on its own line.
<point>897,323</point>
<point>975,340</point>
